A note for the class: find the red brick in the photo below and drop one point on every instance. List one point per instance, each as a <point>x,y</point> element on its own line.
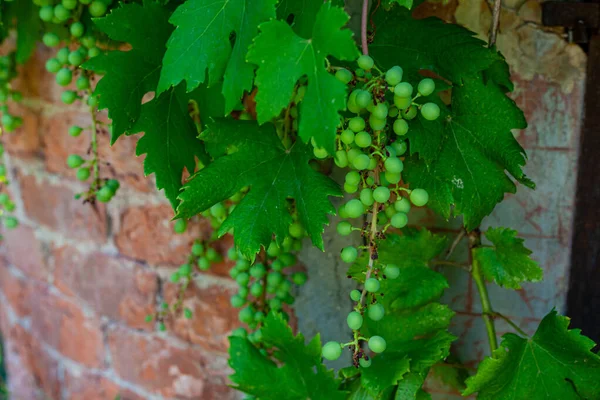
<point>112,287</point>
<point>54,206</point>
<point>17,291</point>
<point>63,326</point>
<point>213,316</point>
<point>25,252</point>
<point>87,386</point>
<point>24,141</point>
<point>161,368</point>
<point>33,373</point>
<point>147,234</point>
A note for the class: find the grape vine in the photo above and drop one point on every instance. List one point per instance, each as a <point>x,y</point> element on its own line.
<point>256,103</point>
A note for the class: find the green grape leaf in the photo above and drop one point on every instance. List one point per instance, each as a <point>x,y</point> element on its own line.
<point>403,3</point>
<point>416,247</point>
<point>556,363</point>
<point>28,29</point>
<point>202,41</point>
<point>303,14</point>
<point>273,173</point>
<point>386,370</point>
<point>129,75</point>
<point>169,140</point>
<point>298,374</point>
<point>463,155</point>
<point>283,58</point>
<point>508,262</point>
<point>449,50</point>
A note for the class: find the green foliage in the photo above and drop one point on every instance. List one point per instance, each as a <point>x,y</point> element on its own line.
<point>507,263</point>
<point>281,53</point>
<point>273,174</point>
<point>555,363</point>
<point>302,375</point>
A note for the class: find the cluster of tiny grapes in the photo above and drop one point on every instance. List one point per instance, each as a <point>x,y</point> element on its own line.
<point>371,144</point>
<point>7,73</point>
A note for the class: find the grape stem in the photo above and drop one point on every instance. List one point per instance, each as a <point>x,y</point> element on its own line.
<point>510,322</point>
<point>495,22</point>
<point>363,27</point>
<point>486,305</point>
<point>94,145</point>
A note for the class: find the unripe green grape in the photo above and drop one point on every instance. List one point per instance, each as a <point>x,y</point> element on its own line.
<point>97,8</point>
<point>341,158</point>
<point>370,181</point>
<point>174,278</point>
<point>180,226</point>
<point>8,120</point>
<point>389,211</point>
<point>82,83</point>
<point>394,164</point>
<point>61,13</point>
<point>288,259</point>
<point>64,76</point>
<point>352,154</point>
<point>402,205</point>
<point>403,89</point>
<point>259,316</point>
<point>365,363</point>
<point>274,278</point>
<point>344,228</point>
<point>356,124</point>
<point>243,278</point>
<point>355,295</point>
<point>105,194</point>
<point>299,278</point>
<point>376,123</point>
<point>185,269</point>
<point>93,52</point>
<point>352,178</point>
<point>354,208</point>
<point>246,315</point>
<point>371,106</point>
<point>372,164</point>
<point>257,289</point>
<point>75,131</point>
<point>258,271</point>
<point>187,313</point>
<point>430,111</point>
<point>342,211</point>
<point>352,106</point>
<point>332,351</point>
<point>372,285</point>
<point>63,55</point>
<point>300,93</point>
<point>320,152</point>
<point>275,304</point>
<point>400,127</point>
<point>74,161</point>
<point>393,112</point>
<point>343,75</point>
<point>383,180</point>
<point>75,58</point>
<point>212,255</point>
<point>347,136</point>
<point>363,98</point>
<point>375,312</point>
<point>296,230</point>
<point>409,113</point>
<point>359,72</point>
<point>233,272</point>
<point>426,87</point>
<point>348,188</point>
<point>77,29</point>
<point>365,62</point>
<point>354,320</point>
<point>381,194</point>
<point>366,197</point>
<point>361,162</point>
<point>46,13</point>
<point>400,146</point>
<point>197,249</point>
<point>203,264</point>
<point>4,199</point>
<point>393,177</point>
<point>402,102</point>
<point>380,111</point>
<point>10,222</point>
<point>392,271</point>
<point>399,220</point>
<point>239,332</point>
<point>393,76</point>
<point>377,344</point>
<point>92,101</point>
<point>349,254</point>
<point>69,4</point>
<point>419,197</point>
<point>83,174</point>
<point>51,39</point>
<point>68,96</point>
<point>233,255</point>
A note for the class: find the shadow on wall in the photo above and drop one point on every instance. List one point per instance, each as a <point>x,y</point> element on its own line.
<point>3,388</point>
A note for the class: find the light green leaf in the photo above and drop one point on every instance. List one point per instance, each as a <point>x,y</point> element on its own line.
<point>556,363</point>
<point>508,262</point>
<point>273,173</point>
<point>169,140</point>
<point>283,58</point>
<point>202,41</point>
<point>298,375</point>
<point>415,247</point>
<point>386,370</point>
<point>129,75</point>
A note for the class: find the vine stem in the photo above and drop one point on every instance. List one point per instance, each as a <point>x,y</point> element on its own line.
<point>486,305</point>
<point>495,22</point>
<point>510,322</point>
<point>363,27</point>
<point>94,145</point>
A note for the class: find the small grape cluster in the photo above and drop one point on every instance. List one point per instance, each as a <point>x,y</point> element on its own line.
<point>7,206</point>
<point>7,73</point>
<point>371,144</point>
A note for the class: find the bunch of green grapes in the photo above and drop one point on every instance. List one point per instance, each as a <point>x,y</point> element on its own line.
<point>8,71</point>
<point>371,144</point>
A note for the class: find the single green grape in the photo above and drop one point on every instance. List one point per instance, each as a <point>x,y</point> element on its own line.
<point>400,127</point>
<point>403,89</point>
<point>63,55</point>
<point>366,197</point>
<point>187,313</point>
<point>356,124</point>
<point>363,98</point>
<point>320,153</point>
<point>393,76</point>
<point>46,13</point>
<point>51,39</point>
<point>399,220</point>
<point>53,65</point>
<point>344,76</point>
<point>381,194</point>
<point>274,278</point>
<point>105,194</point>
<point>180,226</point>
<point>75,131</point>
<point>341,158</point>
<point>354,208</point>
<point>380,111</point>
<point>426,87</point>
<point>419,197</point>
<point>82,83</point>
<point>64,76</point>
<point>354,320</point>
<point>68,96</point>
<point>355,295</point>
<point>352,178</point>
<point>185,269</point>
<point>203,264</point>
<point>197,249</point>
<point>409,113</point>
<point>257,289</point>
<point>365,62</point>
<point>392,271</point>
<point>365,362</point>
<point>296,230</point>
<point>347,136</point>
<point>352,106</point>
<point>77,29</point>
<point>400,146</point>
<point>83,174</point>
<point>349,254</point>
<point>353,153</point>
<point>74,161</point>
<point>69,4</point>
<point>361,162</point>
<point>258,271</point>
<point>332,351</point>
<point>430,111</point>
<point>246,315</point>
<point>243,278</point>
<point>394,164</point>
<point>402,205</point>
<point>348,188</point>
<point>10,222</point>
<point>402,102</point>
<point>61,13</point>
<point>344,228</point>
<point>363,139</point>
<point>375,312</point>
<point>377,344</point>
<point>376,123</point>
<point>97,8</point>
<point>288,259</point>
<point>239,332</point>
<point>372,285</point>
<point>75,58</point>
<point>299,278</point>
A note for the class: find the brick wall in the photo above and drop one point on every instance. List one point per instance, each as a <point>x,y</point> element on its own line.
<point>76,282</point>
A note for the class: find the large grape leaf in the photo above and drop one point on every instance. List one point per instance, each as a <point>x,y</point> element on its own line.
<point>283,58</point>
<point>28,28</point>
<point>507,262</point>
<point>449,50</point>
<point>274,174</point>
<point>129,75</point>
<point>202,41</point>
<point>556,363</point>
<point>169,140</point>
<point>463,155</point>
<point>303,14</point>
<point>298,374</point>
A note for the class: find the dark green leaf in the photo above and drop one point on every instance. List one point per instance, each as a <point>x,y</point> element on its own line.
<point>28,29</point>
